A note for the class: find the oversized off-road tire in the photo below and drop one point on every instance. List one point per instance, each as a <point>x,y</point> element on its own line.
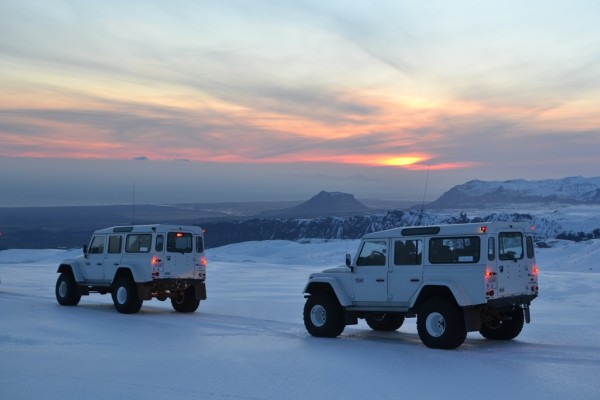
<point>385,321</point>
<point>125,297</point>
<point>506,328</point>
<point>323,316</point>
<point>66,290</point>
<point>440,324</point>
<point>186,302</point>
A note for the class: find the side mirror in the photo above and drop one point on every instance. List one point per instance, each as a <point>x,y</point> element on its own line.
<point>85,250</point>
<point>348,261</point>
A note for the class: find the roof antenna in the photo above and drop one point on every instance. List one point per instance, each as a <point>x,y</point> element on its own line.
<point>133,204</point>
<point>424,193</point>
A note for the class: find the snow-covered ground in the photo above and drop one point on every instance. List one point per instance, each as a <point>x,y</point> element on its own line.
<point>247,340</point>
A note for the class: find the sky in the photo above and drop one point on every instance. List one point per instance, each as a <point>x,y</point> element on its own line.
<point>196,101</point>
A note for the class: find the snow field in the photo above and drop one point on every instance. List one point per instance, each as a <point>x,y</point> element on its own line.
<point>247,340</point>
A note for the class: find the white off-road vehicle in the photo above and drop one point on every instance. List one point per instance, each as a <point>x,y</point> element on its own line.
<point>137,263</point>
<point>454,278</point>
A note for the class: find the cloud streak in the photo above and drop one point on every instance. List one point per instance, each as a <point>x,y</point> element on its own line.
<point>398,85</point>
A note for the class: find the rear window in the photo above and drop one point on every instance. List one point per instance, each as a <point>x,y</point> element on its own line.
<point>160,243</point>
<point>491,249</point>
<point>510,246</point>
<point>199,244</point>
<point>179,242</point>
<point>530,251</point>
<point>453,250</point>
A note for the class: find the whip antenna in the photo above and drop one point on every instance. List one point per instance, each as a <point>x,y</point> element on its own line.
<point>133,204</point>
<point>424,193</point>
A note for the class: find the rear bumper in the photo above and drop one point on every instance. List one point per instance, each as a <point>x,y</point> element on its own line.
<point>503,302</point>
<point>170,287</point>
<point>474,315</point>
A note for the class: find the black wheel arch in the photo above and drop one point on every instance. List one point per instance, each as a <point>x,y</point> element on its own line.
<point>320,287</point>
<point>122,271</point>
<point>65,269</point>
<point>432,291</point>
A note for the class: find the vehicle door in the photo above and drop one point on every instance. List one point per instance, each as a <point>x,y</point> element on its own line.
<point>406,269</point>
<point>370,275</point>
<point>512,264</point>
<point>93,269</point>
<point>179,256</point>
<point>113,255</point>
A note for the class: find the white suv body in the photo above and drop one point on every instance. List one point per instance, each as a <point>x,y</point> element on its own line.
<point>137,263</point>
<point>453,278</point>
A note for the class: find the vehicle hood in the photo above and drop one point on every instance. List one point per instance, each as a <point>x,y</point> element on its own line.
<point>334,270</point>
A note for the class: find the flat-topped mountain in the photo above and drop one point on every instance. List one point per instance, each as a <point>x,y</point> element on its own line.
<point>323,204</point>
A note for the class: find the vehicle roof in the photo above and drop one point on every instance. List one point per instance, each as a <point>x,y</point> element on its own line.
<point>161,228</point>
<point>452,229</point>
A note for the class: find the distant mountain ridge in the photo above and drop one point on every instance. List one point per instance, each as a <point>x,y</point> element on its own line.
<point>476,193</point>
<point>566,208</point>
<point>354,227</point>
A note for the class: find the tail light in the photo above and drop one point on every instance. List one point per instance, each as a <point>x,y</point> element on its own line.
<point>533,279</point>
<point>491,283</point>
<point>157,266</point>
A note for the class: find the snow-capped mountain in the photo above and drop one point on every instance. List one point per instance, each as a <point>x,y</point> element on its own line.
<point>566,208</point>
<point>482,194</point>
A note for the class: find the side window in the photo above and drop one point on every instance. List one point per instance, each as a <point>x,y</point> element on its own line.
<point>510,246</point>
<point>408,252</point>
<point>160,243</point>
<point>97,245</point>
<point>138,243</point>
<point>179,242</point>
<point>199,244</point>
<point>452,250</point>
<point>372,253</point>
<point>491,249</point>
<point>530,249</point>
<point>114,244</point>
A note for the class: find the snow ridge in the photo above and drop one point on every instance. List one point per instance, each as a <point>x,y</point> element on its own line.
<point>476,193</point>
<point>573,223</point>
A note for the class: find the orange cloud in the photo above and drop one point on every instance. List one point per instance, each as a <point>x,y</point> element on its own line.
<point>231,133</point>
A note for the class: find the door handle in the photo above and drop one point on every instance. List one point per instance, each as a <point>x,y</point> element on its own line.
<point>98,263</point>
<point>380,280</point>
<point>415,280</point>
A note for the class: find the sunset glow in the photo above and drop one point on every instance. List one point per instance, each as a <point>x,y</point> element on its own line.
<point>402,161</point>
<point>492,89</point>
